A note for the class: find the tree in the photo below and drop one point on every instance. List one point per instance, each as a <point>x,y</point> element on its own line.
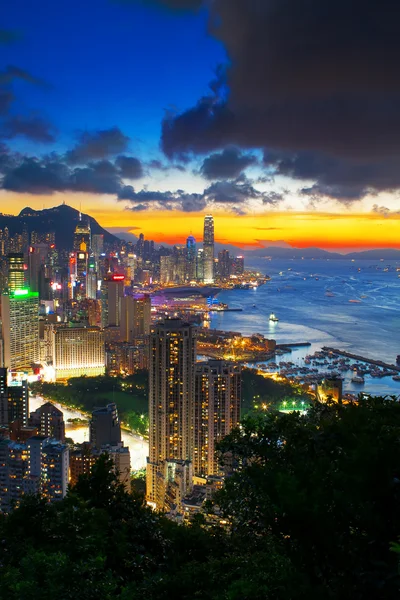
<point>327,486</point>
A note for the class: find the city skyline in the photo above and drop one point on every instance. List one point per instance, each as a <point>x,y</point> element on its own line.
<point>148,152</point>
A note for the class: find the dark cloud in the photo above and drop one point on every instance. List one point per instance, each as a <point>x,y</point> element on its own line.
<point>305,76</point>
<point>97,178</point>
<point>273,197</point>
<point>160,166</point>
<point>228,164</point>
<point>130,167</point>
<point>237,191</point>
<point>33,128</point>
<point>384,211</point>
<point>36,177</point>
<point>167,200</point>
<point>96,145</point>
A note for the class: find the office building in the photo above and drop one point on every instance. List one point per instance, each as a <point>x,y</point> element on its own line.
<point>81,274</point>
<point>37,257</point>
<point>224,264</point>
<point>200,265</point>
<point>105,428</point>
<point>208,249</point>
<point>82,237</point>
<point>112,291</point>
<point>97,245</point>
<point>216,411</point>
<point>191,255</point>
<point>49,421</point>
<point>74,351</point>
<point>16,271</point>
<point>91,279</point>
<point>237,265</point>
<point>20,329</point>
<point>171,396</point>
<point>135,317</point>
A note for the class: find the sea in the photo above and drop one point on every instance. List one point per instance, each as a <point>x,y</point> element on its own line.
<point>349,305</point>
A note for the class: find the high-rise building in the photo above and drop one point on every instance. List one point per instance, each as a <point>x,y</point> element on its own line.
<point>237,265</point>
<point>216,412</point>
<point>37,257</point>
<point>208,249</point>
<point>54,470</point>
<point>82,237</point>
<point>49,421</point>
<point>16,271</point>
<point>20,329</point>
<point>97,245</point>
<point>166,269</point>
<point>171,396</point>
<point>105,428</point>
<point>14,474</point>
<point>135,317</point>
<point>112,291</point>
<point>75,351</point>
<point>121,457</point>
<point>191,255</point>
<point>224,264</point>
<point>81,274</point>
<point>91,279</point>
<point>200,264</point>
<point>14,400</point>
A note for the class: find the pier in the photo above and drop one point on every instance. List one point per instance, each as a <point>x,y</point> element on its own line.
<point>370,361</point>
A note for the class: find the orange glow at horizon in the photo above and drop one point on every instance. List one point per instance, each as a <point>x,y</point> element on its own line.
<point>300,229</point>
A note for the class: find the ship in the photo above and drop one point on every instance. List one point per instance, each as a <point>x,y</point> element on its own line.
<point>273,318</point>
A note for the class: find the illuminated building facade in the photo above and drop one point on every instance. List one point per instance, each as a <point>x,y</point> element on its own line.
<point>208,249</point>
<point>75,351</point>
<point>112,291</point>
<point>16,271</point>
<point>171,395</point>
<point>135,318</point>
<point>191,254</point>
<point>20,329</point>
<point>54,470</point>
<point>81,461</point>
<point>14,473</point>
<point>49,421</point>
<point>237,265</point>
<point>82,237</point>
<point>216,411</point>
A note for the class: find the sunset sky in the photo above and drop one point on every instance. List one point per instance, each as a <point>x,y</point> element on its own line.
<point>157,112</point>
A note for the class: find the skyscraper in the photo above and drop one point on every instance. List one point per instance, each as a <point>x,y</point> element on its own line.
<point>171,396</point>
<point>216,412</point>
<point>112,291</point>
<point>20,329</point>
<point>135,317</point>
<point>191,255</point>
<point>82,237</point>
<point>16,271</point>
<point>208,249</point>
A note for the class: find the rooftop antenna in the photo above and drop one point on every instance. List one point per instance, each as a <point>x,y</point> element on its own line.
<point>80,210</point>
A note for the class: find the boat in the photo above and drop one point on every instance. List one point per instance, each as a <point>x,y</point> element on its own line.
<point>273,318</point>
<point>357,379</point>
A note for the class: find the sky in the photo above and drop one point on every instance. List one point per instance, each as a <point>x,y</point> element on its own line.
<point>281,118</point>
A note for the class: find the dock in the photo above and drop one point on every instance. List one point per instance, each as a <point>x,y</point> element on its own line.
<point>370,361</point>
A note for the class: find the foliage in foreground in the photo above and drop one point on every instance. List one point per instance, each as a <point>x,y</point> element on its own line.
<point>314,507</point>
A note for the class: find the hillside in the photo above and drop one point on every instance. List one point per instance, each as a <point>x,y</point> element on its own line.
<point>60,219</point>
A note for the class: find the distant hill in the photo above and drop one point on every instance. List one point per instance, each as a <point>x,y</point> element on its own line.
<point>60,219</point>
<point>317,253</point>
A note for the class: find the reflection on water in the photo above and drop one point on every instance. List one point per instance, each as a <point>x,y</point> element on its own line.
<point>137,446</point>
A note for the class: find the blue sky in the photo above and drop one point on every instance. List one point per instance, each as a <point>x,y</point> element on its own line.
<point>108,64</point>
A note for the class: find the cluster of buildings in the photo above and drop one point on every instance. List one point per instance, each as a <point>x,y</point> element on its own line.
<point>34,456</point>
<point>192,406</point>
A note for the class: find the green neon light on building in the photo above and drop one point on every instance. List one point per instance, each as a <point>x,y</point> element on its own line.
<point>23,294</point>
